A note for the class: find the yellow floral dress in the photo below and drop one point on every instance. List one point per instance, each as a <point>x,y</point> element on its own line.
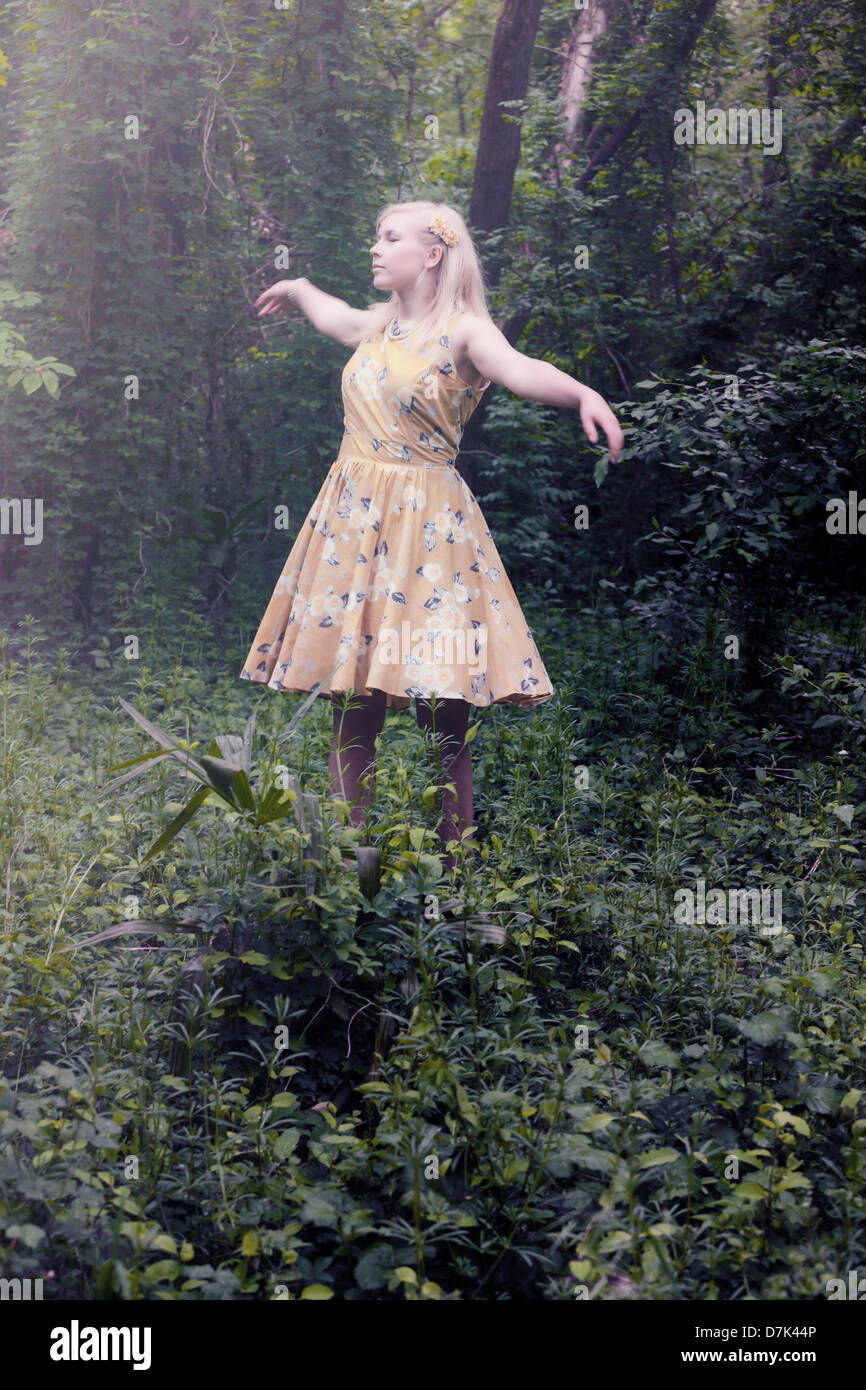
<point>394,582</point>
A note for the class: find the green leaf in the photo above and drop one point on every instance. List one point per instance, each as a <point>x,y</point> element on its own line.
<point>747,1188</point>
<point>286,1143</point>
<point>763,1029</point>
<point>594,1122</point>
<point>252,1015</point>
<point>317,1291</point>
<point>230,782</point>
<point>157,733</point>
<point>821,1099</point>
<point>656,1158</point>
<point>655,1054</point>
<point>663,1228</point>
<point>161,1269</point>
<point>616,1240</point>
<point>321,1209</point>
<point>789,1181</point>
<point>177,824</point>
<point>142,763</point>
<point>274,805</point>
<point>371,1271</point>
<point>30,1235</point>
<point>133,928</point>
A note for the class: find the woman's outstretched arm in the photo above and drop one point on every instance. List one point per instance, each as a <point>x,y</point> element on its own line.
<point>329,315</point>
<point>495,359</point>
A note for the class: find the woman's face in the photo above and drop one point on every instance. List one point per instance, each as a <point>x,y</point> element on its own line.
<point>399,254</point>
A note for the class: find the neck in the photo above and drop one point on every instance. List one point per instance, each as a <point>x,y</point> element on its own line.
<point>413,304</point>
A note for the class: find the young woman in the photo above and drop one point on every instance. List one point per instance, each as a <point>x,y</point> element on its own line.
<point>394,589</point>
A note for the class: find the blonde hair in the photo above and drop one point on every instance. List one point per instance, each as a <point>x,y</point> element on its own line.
<point>458,277</point>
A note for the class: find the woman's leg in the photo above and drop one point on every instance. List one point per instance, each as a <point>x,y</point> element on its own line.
<point>352,761</point>
<point>447,723</point>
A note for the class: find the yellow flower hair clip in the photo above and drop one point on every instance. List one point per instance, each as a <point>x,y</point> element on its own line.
<point>445,230</point>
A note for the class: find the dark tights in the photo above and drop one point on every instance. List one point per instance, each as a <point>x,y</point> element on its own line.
<point>355,732</point>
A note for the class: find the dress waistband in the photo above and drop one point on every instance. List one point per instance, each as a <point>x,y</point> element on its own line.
<point>401,465</point>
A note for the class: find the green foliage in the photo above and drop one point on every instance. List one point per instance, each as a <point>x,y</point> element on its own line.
<point>224,772</point>
<point>381,1096</point>
<point>743,525</point>
<point>25,369</point>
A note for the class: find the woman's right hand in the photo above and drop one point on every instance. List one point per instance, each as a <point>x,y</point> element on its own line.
<point>276,299</point>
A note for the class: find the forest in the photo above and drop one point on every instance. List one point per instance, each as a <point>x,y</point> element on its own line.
<point>250,1050</point>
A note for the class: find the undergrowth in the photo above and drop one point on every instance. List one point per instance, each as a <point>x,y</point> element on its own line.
<point>534,1082</point>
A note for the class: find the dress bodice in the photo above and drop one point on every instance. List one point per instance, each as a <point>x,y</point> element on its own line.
<point>403,400</point>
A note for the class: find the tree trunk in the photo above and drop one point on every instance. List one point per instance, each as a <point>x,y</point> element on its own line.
<point>577,61</point>
<point>499,139</point>
<point>495,167</point>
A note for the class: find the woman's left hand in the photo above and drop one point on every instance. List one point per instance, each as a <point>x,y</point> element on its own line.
<point>595,414</point>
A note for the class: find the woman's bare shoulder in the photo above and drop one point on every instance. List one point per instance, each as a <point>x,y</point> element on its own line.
<point>463,333</point>
<point>466,329</point>
<point>466,321</point>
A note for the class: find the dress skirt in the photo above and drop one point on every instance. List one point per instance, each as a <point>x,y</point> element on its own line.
<point>394,584</point>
